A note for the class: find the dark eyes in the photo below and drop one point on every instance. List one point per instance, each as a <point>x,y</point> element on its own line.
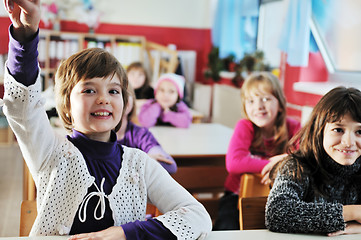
<point>113,91</point>
<point>340,130</point>
<point>90,91</point>
<point>262,99</point>
<point>337,130</point>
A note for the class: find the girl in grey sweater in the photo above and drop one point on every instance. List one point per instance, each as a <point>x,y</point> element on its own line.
<point>317,189</point>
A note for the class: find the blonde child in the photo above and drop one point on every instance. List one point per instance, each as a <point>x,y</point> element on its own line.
<point>167,108</point>
<point>258,142</point>
<point>132,135</point>
<point>139,80</point>
<point>87,184</point>
<point>317,187</point>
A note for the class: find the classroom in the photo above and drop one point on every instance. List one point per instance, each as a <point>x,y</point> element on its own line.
<point>250,107</point>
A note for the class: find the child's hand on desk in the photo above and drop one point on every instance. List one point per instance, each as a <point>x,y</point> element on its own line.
<point>266,169</point>
<point>107,234</point>
<point>351,228</point>
<point>160,158</point>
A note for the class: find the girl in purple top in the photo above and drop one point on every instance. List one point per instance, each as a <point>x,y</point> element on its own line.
<point>88,185</point>
<point>258,142</point>
<point>167,108</point>
<point>132,135</point>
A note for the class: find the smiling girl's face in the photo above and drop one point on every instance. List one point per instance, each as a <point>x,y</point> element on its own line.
<point>342,140</point>
<point>96,106</point>
<point>262,109</point>
<point>167,94</point>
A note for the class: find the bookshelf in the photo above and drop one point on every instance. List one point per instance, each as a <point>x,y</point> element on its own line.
<point>55,46</point>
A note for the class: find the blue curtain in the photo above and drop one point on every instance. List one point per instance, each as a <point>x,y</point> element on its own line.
<point>234,30</point>
<point>296,39</point>
<point>295,36</point>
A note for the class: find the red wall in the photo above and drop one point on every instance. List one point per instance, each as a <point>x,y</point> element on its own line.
<point>316,71</point>
<point>4,36</point>
<point>198,40</point>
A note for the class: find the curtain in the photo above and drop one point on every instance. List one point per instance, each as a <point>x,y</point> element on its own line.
<point>234,30</point>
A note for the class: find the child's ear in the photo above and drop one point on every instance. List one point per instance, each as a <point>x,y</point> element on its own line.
<point>128,108</point>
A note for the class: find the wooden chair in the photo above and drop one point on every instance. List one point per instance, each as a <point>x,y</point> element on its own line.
<point>159,64</point>
<point>251,186</point>
<point>27,217</point>
<point>29,188</point>
<point>252,213</point>
<point>205,183</point>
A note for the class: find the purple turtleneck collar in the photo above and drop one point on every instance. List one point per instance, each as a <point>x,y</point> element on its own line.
<point>103,158</point>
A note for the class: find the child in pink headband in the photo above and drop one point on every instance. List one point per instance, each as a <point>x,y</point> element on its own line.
<point>167,108</point>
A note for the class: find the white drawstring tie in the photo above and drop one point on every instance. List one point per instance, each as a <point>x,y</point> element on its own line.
<point>101,201</point>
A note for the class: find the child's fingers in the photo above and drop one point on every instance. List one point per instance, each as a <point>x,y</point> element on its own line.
<point>9,5</point>
<point>161,158</point>
<point>265,180</point>
<point>165,160</point>
<point>335,234</point>
<point>27,5</point>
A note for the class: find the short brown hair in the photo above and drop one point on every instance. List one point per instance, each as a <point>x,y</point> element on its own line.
<point>86,64</point>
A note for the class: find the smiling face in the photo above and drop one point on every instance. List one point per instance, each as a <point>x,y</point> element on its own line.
<point>166,94</point>
<point>262,109</point>
<point>342,140</point>
<point>96,106</point>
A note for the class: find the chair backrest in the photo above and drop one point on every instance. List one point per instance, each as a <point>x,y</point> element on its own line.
<point>252,213</point>
<point>226,105</point>
<point>202,99</point>
<point>205,183</point>
<point>159,64</point>
<point>251,186</point>
<point>27,217</point>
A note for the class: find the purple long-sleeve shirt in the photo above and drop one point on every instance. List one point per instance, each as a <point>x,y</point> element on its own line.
<point>143,139</point>
<point>152,113</point>
<point>103,158</point>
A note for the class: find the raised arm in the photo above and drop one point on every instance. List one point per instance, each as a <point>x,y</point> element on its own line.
<point>22,56</point>
<point>25,17</point>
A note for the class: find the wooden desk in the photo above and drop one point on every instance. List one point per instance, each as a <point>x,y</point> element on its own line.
<point>201,140</point>
<point>233,235</point>
<point>200,155</point>
<point>268,235</point>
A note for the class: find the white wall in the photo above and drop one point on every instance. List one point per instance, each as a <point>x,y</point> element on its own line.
<point>2,10</point>
<point>177,13</point>
<point>173,13</point>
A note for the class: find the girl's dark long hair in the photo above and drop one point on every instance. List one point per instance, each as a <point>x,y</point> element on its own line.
<point>307,145</point>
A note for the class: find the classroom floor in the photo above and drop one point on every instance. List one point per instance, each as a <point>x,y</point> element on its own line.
<point>11,185</point>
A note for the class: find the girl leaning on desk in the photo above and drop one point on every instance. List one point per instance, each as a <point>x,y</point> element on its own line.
<point>88,184</point>
<point>258,141</point>
<point>317,188</point>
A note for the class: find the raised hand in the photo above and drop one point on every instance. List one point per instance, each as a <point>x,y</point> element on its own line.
<point>25,16</point>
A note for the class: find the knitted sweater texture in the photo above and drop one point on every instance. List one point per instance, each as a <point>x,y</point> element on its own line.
<point>295,205</point>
